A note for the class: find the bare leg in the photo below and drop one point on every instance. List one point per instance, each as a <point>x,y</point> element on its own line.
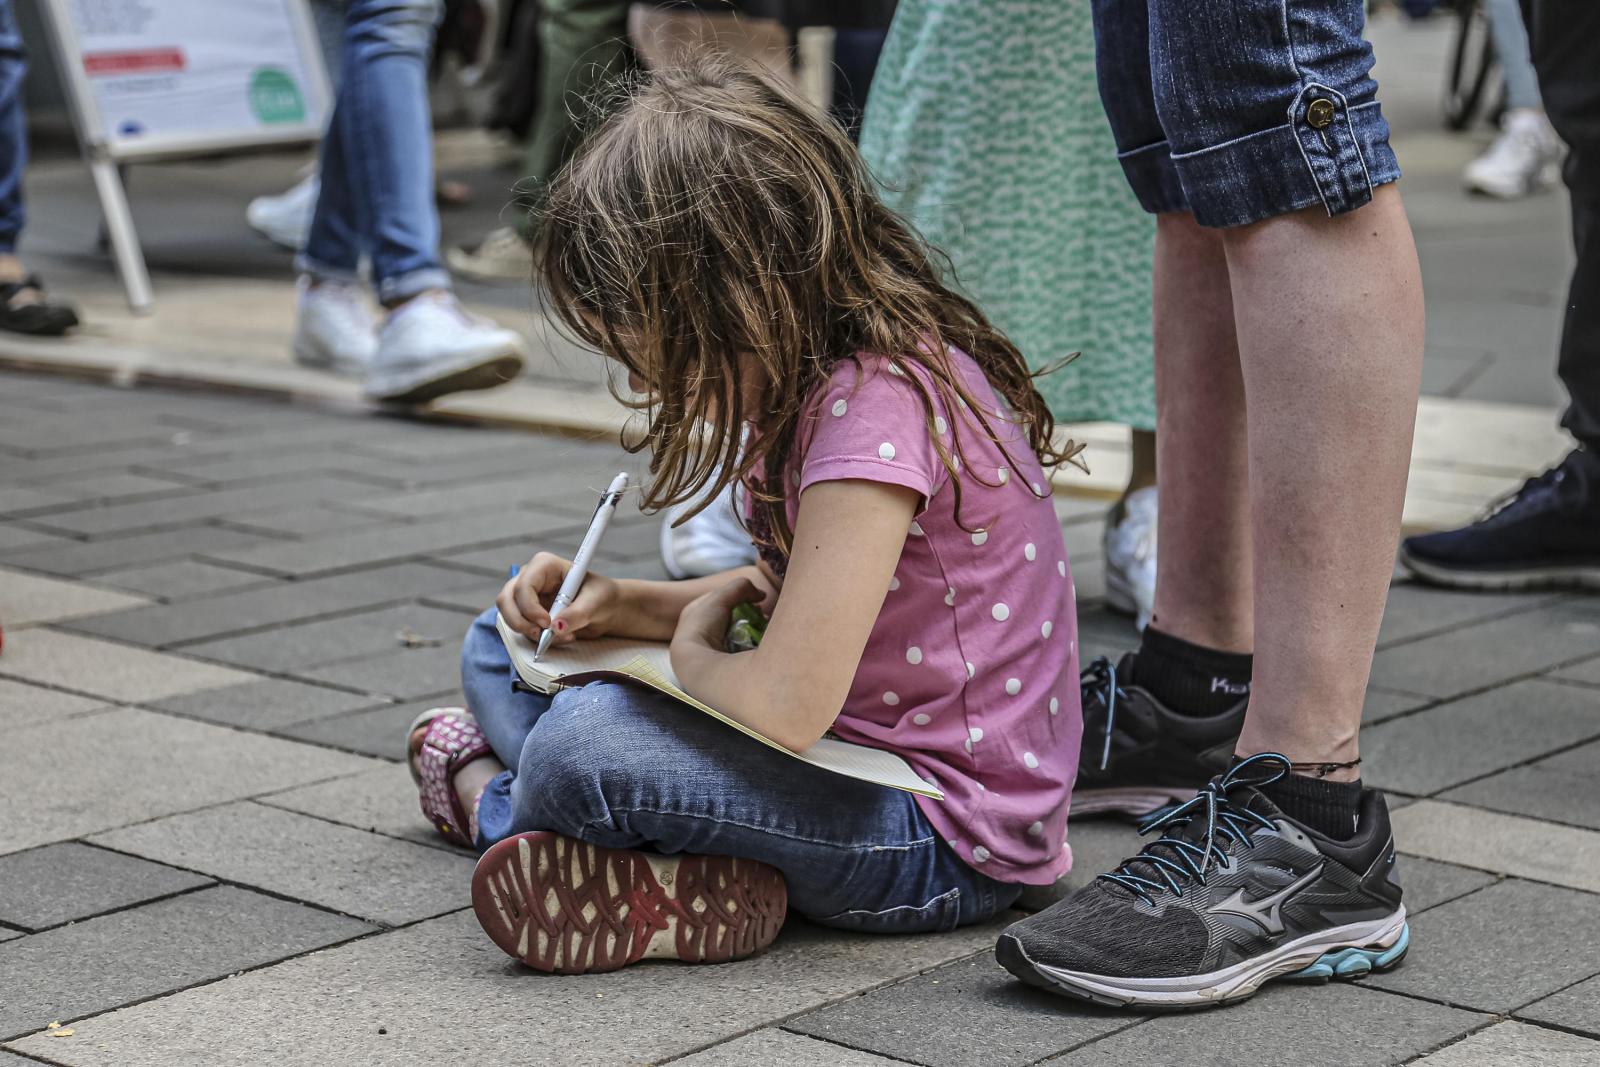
<point>1203,570</point>
<point>1329,320</point>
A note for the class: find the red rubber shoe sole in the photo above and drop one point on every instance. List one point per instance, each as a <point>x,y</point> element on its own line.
<point>565,907</point>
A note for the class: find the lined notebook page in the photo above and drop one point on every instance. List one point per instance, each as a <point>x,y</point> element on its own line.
<point>649,663</point>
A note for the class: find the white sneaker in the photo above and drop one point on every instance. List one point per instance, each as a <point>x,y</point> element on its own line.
<point>1523,160</point>
<point>285,219</point>
<point>502,255</point>
<point>1130,546</point>
<point>710,543</point>
<point>430,346</point>
<point>335,329</point>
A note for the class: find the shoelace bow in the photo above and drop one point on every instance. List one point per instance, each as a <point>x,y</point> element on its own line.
<point>1098,682</point>
<point>1172,862</point>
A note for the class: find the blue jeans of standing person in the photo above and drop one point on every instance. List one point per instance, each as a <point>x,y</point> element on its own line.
<point>13,129</point>
<point>377,156</point>
<point>621,766</point>
<point>1511,49</point>
<point>1241,110</point>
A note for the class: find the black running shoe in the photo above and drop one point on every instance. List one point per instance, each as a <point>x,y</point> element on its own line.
<point>1233,894</point>
<point>1546,535</point>
<point>1139,755</point>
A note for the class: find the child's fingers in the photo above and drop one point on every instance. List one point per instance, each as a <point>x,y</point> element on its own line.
<point>530,607</point>
<point>739,591</point>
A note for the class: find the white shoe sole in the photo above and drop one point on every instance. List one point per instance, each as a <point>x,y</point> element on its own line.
<point>478,371</point>
<point>1505,580</point>
<point>1229,983</point>
<point>467,265</point>
<point>1125,801</point>
<point>316,359</point>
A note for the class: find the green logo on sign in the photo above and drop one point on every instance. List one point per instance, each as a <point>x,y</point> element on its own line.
<point>275,98</point>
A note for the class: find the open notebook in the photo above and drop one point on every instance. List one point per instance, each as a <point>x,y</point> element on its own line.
<point>648,663</point>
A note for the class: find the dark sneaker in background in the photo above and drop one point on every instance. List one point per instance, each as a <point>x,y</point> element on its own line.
<point>1546,535</point>
<point>1140,755</point>
<point>1233,895</point>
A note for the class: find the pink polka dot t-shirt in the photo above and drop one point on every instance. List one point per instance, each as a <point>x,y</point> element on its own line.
<point>971,670</point>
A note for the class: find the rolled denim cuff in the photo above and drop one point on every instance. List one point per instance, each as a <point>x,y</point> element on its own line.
<point>407,285</point>
<point>323,272</point>
<point>1327,153</point>
<point>1154,179</point>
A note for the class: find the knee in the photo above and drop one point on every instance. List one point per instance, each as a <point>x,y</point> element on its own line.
<point>590,751</point>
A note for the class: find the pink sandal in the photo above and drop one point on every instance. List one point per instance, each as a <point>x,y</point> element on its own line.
<point>452,740</point>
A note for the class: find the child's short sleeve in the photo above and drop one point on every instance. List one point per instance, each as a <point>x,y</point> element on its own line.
<point>870,424</point>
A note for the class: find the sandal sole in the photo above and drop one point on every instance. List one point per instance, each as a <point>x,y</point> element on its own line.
<point>565,907</point>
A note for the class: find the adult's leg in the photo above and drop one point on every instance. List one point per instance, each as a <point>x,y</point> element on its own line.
<point>388,137</point>
<point>1329,318</point>
<point>622,767</point>
<point>1511,48</point>
<point>339,222</point>
<point>13,136</point>
<point>1565,40</point>
<point>581,44</point>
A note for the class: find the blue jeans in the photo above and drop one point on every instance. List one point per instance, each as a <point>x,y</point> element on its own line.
<point>1511,49</point>
<point>13,129</point>
<point>1240,110</point>
<point>621,766</point>
<point>377,156</point>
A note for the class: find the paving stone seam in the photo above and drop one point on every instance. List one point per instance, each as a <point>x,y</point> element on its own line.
<point>1431,998</point>
<point>1543,674</point>
<point>890,1056</point>
<point>1492,1019</point>
<point>86,503</point>
<point>1530,761</point>
<point>218,880</point>
<point>385,561</point>
<point>1573,683</point>
<point>1560,1028</point>
<point>1479,620</point>
<point>438,843</point>
<point>277,732</point>
<point>212,884</point>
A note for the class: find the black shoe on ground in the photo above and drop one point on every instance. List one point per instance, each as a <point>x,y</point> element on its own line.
<point>1138,754</point>
<point>1233,895</point>
<point>1544,536</point>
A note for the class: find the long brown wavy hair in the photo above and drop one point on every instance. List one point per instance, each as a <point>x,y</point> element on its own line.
<point>716,229</point>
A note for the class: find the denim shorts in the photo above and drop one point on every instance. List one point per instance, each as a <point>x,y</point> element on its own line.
<point>1240,110</point>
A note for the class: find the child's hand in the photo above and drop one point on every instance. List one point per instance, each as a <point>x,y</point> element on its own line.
<point>525,601</point>
<point>705,620</point>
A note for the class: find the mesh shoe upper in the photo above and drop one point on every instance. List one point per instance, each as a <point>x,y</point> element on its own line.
<point>1230,878</point>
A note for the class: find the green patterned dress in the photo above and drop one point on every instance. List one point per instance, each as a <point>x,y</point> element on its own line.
<point>986,128</point>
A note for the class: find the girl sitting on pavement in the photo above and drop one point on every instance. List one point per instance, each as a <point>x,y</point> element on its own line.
<point>722,242</point>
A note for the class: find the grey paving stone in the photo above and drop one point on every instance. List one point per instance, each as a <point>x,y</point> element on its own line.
<point>95,487</point>
<point>357,635</point>
<point>269,704</point>
<point>967,1014</point>
<point>379,731</point>
<point>366,875</point>
<point>364,548</point>
<point>67,436</point>
<point>1502,947</point>
<point>777,1048</point>
<point>1415,610</point>
<point>516,490</point>
<point>17,500</point>
<point>182,510</point>
<point>7,934</point>
<point>24,705</point>
<point>1512,1044</point>
<point>163,625</point>
<point>144,951</point>
<point>258,467</point>
<point>31,599</point>
<point>1507,844</point>
<point>1334,1026</point>
<point>181,579</point>
<point>15,539</point>
<point>106,669</point>
<point>1479,655</point>
<point>71,881</point>
<point>127,766</point>
<point>1429,883</point>
<point>83,558</point>
<point>307,522</point>
<point>432,986</point>
<point>1561,788</point>
<point>1465,739</point>
<point>1380,705</point>
<point>382,801</point>
<point>1587,672</point>
<point>1577,1008</point>
<point>406,675</point>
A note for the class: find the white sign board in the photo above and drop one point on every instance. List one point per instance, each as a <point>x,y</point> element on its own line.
<point>155,77</point>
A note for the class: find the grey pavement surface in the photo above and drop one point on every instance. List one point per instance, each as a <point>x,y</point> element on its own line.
<point>221,612</point>
<point>210,851</point>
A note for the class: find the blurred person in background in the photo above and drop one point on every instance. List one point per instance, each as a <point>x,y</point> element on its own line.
<point>986,129</point>
<point>1546,535</point>
<point>1525,158</point>
<point>24,305</point>
<point>376,199</point>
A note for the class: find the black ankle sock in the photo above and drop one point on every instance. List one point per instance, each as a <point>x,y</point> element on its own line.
<point>1190,679</point>
<point>1330,808</point>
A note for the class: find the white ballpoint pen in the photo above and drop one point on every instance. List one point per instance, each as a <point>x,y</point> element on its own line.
<point>580,563</point>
